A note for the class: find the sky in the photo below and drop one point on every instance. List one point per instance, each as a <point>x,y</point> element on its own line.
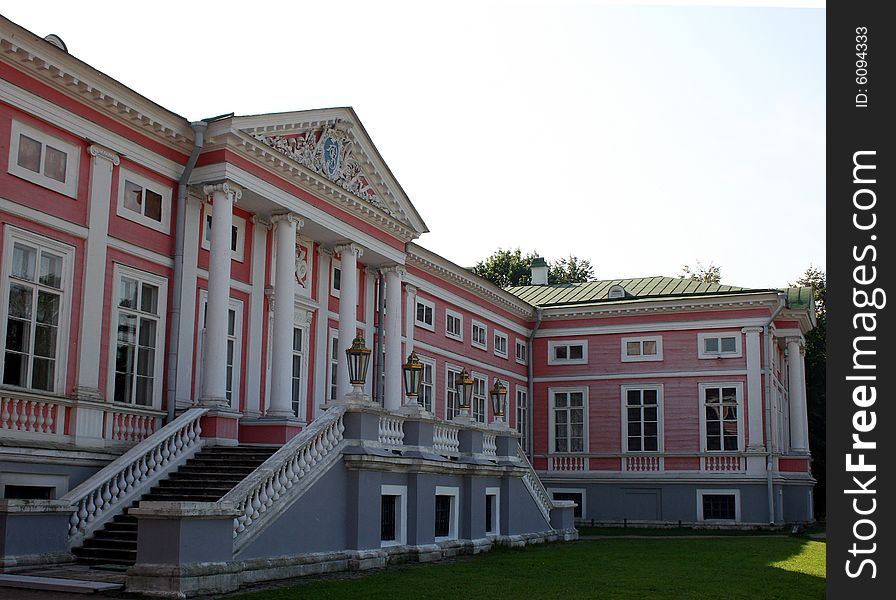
<point>639,136</point>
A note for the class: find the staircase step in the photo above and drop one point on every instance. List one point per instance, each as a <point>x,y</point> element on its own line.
<point>110,544</point>
<point>54,584</point>
<point>106,554</point>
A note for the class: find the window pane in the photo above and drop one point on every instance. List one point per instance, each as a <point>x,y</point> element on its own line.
<point>731,443</point>
<point>231,322</point>
<point>337,278</point>
<point>713,442</point>
<point>133,197</point>
<point>146,361</point>
<point>54,165</point>
<point>650,348</point>
<point>577,445</point>
<point>729,394</point>
<point>575,398</point>
<point>729,344</point>
<point>634,443</point>
<point>560,352</point>
<point>650,413</point>
<point>153,206</point>
<point>650,444</point>
<point>633,397</point>
<point>23,259</point>
<point>713,428</point>
<point>47,308</point>
<point>712,413</point>
<point>29,153</point>
<point>296,339</point>
<point>560,400</point>
<point>576,352</point>
<point>576,416</point>
<point>122,387</point>
<point>42,372</point>
<point>20,301</point>
<point>149,299</point>
<point>649,396</point>
<point>234,235</point>
<point>50,270</point>
<point>18,335</point>
<point>633,348</point>
<point>711,345</point>
<point>127,293</point>
<point>127,329</point>
<point>712,395</point>
<point>15,368</point>
<point>45,341</point>
<point>144,391</point>
<point>650,428</point>
<point>634,427</point>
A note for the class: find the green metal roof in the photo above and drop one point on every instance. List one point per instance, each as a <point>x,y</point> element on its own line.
<point>801,298</point>
<point>640,288</point>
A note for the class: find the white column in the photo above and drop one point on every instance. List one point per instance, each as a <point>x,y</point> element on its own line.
<point>410,313</point>
<point>348,311</point>
<point>101,165</point>
<point>799,418</point>
<point>214,364</point>
<point>322,330</point>
<point>393,395</point>
<point>185,356</point>
<point>284,314</point>
<point>254,350</point>
<point>369,311</point>
<point>754,388</point>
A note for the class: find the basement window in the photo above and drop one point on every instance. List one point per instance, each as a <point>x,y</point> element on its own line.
<point>393,511</point>
<point>446,513</point>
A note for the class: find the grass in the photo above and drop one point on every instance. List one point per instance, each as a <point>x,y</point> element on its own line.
<point>673,531</point>
<point>733,568</point>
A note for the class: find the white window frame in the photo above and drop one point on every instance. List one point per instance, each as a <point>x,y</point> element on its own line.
<point>58,483</point>
<point>525,347</point>
<point>524,431</point>
<point>496,511</point>
<point>237,306</point>
<point>552,344</point>
<point>483,345</point>
<point>401,519</point>
<point>552,418</point>
<point>69,187</point>
<point>161,283</point>
<point>431,326</point>
<point>582,491</point>
<point>431,363</point>
<point>454,492</point>
<point>147,184</point>
<point>739,386</point>
<point>459,336</point>
<point>240,223</point>
<point>701,345</point>
<point>625,357</point>
<point>477,377</point>
<point>303,368</point>
<point>332,388</point>
<point>624,389</point>
<point>711,492</point>
<point>335,264</point>
<point>449,392</point>
<point>500,335</point>
<point>10,236</point>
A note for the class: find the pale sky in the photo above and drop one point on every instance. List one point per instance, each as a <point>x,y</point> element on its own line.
<point>641,137</point>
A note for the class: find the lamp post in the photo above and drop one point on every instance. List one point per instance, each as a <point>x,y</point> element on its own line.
<point>358,358</point>
<point>498,395</point>
<point>465,396</point>
<point>413,378</point>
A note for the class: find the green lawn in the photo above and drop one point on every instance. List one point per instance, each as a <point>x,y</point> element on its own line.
<point>744,567</point>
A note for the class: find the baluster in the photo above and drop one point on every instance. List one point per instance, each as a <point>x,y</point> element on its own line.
<point>14,415</point>
<point>4,414</point>
<point>39,421</point>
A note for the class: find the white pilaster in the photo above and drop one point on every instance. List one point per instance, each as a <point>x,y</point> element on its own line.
<point>214,365</point>
<point>185,357</point>
<point>348,311</point>
<point>754,388</point>
<point>101,165</point>
<point>799,418</point>
<point>254,400</point>
<point>392,393</point>
<point>410,312</point>
<point>322,330</point>
<point>284,315</point>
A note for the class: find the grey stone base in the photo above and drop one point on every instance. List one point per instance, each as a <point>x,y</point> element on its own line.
<point>12,563</point>
<point>168,581</point>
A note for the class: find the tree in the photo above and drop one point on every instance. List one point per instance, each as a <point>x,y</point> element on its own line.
<point>816,373</point>
<point>507,268</point>
<point>709,274</point>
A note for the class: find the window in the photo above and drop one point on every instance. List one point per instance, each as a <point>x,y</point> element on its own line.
<point>452,400</point>
<point>522,352</point>
<point>298,364</point>
<point>718,505</point>
<point>446,513</point>
<point>719,345</point>
<point>454,325</point>
<point>44,160</point>
<point>393,515</point>
<point>568,353</point>
<point>642,418</point>
<point>616,292</point>
<point>334,364</point>
<point>522,417</point>
<point>635,349</point>
<point>721,417</point>
<point>144,201</point>
<point>424,314</point>
<point>572,495</point>
<point>480,393</point>
<point>36,299</point>
<point>568,416</point>
<point>335,277</point>
<point>237,233</point>
<point>501,344</point>
<point>427,383</point>
<point>492,511</point>
<point>480,336</point>
<point>234,346</point>
<point>140,318</point>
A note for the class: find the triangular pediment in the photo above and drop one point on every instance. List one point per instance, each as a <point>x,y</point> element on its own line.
<point>333,144</point>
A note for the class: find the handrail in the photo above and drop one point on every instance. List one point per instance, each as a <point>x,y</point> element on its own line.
<point>261,490</point>
<point>535,486</point>
<point>107,492</point>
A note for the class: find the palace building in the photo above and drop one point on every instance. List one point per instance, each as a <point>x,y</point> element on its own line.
<point>177,300</point>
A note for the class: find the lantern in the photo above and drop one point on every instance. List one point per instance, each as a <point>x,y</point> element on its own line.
<point>358,356</point>
<point>499,398</point>
<point>413,376</point>
<point>465,389</point>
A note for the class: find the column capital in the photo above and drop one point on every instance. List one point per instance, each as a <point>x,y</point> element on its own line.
<point>261,221</point>
<point>229,188</point>
<point>410,289</point>
<point>326,251</point>
<point>104,153</point>
<point>752,330</point>
<point>288,217</point>
<point>396,269</point>
<point>349,247</point>
<point>794,339</point>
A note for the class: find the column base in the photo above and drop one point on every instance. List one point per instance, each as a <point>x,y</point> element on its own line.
<point>221,427</point>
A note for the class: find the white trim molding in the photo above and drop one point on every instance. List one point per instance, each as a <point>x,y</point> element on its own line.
<point>712,492</point>
<point>68,186</point>
<point>643,343</point>
<point>553,345</point>
<point>719,336</point>
<point>401,516</point>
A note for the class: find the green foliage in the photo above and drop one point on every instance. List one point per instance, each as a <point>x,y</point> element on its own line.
<point>506,268</point>
<point>708,274</point>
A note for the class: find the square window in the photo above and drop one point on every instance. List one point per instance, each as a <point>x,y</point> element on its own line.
<point>425,314</point>
<point>148,202</point>
<point>719,507</point>
<point>54,164</point>
<point>29,153</point>
<point>719,345</point>
<point>636,349</point>
<point>574,353</point>
<point>454,324</point>
<point>43,159</point>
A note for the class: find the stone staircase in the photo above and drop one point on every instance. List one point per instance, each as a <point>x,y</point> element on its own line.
<point>204,478</point>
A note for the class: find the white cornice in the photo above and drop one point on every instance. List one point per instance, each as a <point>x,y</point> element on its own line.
<point>766,300</point>
<point>62,71</point>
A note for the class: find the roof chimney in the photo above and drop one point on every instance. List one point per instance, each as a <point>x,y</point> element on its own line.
<point>539,271</point>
